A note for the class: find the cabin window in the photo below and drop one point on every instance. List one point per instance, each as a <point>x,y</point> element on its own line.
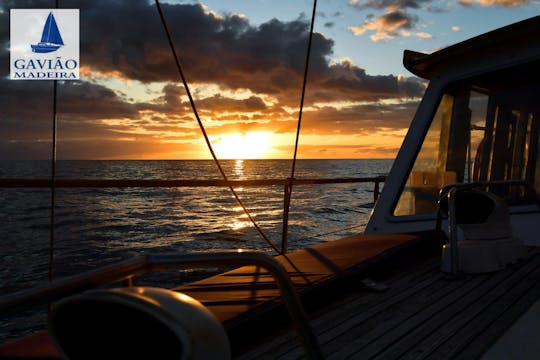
<point>485,130</point>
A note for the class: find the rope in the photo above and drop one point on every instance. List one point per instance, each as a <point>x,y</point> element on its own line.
<point>201,126</point>
<point>53,178</point>
<point>336,231</point>
<point>289,185</point>
<point>53,187</point>
<point>306,69</point>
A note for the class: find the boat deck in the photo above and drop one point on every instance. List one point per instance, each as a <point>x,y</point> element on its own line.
<point>423,314</point>
<point>410,309</point>
<point>247,300</point>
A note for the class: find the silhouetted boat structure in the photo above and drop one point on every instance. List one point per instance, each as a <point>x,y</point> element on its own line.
<point>51,40</point>
<point>448,266</point>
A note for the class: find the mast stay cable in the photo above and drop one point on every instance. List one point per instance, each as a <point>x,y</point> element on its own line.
<point>304,83</point>
<point>53,177</point>
<point>289,185</point>
<point>203,130</point>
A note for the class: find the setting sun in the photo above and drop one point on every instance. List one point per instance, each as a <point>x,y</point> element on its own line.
<point>251,145</point>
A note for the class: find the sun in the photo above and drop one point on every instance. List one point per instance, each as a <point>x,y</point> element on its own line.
<point>249,145</point>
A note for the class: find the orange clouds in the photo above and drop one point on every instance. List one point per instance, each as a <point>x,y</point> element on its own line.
<point>386,26</point>
<point>504,3</point>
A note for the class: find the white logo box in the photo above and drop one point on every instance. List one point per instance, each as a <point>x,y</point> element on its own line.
<point>58,62</point>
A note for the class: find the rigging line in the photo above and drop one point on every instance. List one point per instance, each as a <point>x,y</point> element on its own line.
<point>53,178</point>
<point>336,231</point>
<point>201,126</point>
<point>53,186</point>
<point>306,69</point>
<point>289,185</point>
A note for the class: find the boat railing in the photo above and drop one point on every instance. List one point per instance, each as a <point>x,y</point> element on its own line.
<point>125,271</point>
<point>159,183</point>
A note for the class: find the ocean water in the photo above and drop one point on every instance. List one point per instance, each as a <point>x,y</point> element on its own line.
<point>95,227</point>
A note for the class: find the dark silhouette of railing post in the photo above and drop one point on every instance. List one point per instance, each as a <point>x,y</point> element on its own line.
<point>286,206</point>
<point>376,191</point>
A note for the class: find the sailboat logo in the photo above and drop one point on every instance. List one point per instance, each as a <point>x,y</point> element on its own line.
<point>51,40</point>
<point>54,56</point>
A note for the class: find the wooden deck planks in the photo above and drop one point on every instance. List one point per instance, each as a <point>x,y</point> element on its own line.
<point>346,313</point>
<point>447,319</point>
<point>451,323</point>
<point>403,318</point>
<point>347,326</point>
<point>495,312</point>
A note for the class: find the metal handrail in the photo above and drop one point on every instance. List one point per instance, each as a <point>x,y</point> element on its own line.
<point>158,183</point>
<point>166,262</point>
<point>103,183</point>
<point>452,230</point>
<point>484,184</point>
<point>479,184</point>
<point>449,192</point>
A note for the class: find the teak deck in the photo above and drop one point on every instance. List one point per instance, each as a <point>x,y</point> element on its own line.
<point>422,315</point>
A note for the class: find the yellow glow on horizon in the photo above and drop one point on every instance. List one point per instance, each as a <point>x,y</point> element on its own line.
<point>251,145</point>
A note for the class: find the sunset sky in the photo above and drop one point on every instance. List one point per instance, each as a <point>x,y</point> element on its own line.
<point>244,62</point>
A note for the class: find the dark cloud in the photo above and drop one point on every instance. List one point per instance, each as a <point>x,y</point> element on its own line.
<point>26,110</point>
<point>220,103</point>
<point>388,25</point>
<point>84,99</point>
<point>389,4</point>
<point>347,81</point>
<point>228,48</point>
<point>170,101</point>
<point>23,100</point>
<point>360,119</point>
<point>398,19</point>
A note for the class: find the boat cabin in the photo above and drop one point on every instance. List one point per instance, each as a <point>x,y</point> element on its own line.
<point>478,123</point>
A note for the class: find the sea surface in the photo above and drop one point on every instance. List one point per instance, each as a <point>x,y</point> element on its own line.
<point>96,227</point>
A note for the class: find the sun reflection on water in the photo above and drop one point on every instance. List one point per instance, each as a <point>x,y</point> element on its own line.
<point>239,220</point>
<point>239,169</point>
<point>237,224</point>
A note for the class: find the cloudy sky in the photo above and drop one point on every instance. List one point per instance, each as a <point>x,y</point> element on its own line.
<point>244,62</point>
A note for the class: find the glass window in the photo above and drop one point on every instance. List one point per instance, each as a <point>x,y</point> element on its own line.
<point>483,130</point>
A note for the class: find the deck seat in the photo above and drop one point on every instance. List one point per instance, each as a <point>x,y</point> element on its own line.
<point>485,238</point>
